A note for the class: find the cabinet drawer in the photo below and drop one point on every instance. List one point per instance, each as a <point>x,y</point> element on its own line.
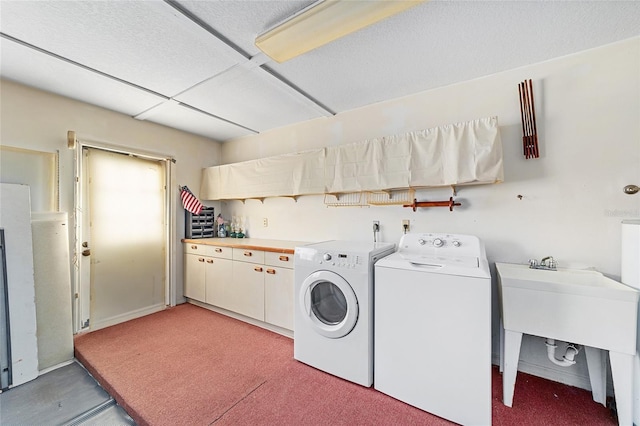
<point>190,248</point>
<point>282,260</point>
<point>244,255</point>
<point>220,252</point>
<point>207,250</point>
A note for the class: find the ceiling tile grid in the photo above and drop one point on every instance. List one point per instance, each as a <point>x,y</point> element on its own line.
<point>193,65</point>
<point>251,97</point>
<point>44,72</point>
<point>184,118</point>
<point>144,42</point>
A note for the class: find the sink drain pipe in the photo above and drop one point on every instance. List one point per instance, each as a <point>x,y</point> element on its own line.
<point>569,357</point>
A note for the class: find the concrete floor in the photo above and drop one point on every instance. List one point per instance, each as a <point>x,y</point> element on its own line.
<point>68,395</point>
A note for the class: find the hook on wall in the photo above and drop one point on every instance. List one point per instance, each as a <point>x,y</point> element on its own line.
<point>631,189</point>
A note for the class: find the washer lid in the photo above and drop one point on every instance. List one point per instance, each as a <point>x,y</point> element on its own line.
<point>460,266</point>
<point>435,260</point>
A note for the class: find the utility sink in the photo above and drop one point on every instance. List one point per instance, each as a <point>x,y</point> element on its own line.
<point>578,306</point>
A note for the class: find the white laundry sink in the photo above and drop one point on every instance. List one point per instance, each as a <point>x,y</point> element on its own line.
<point>579,306</point>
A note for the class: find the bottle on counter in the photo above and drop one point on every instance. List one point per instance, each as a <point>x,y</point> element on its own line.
<point>222,232</point>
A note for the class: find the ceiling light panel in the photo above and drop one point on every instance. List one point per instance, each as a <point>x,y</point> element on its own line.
<point>186,119</point>
<point>324,22</point>
<point>144,42</point>
<point>32,68</point>
<point>251,97</point>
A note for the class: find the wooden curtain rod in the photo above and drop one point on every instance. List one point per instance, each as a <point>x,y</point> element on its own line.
<point>417,204</point>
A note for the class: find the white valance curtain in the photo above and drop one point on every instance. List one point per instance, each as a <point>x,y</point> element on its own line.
<point>455,154</point>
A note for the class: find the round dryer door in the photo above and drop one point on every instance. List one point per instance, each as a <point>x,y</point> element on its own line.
<point>329,304</point>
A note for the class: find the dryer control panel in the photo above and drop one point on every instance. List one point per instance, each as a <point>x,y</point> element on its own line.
<point>341,259</point>
<point>343,255</point>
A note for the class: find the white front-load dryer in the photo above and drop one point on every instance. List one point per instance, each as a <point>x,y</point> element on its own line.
<point>333,319</point>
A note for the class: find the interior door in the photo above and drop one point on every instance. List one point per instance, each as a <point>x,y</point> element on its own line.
<point>123,260</point>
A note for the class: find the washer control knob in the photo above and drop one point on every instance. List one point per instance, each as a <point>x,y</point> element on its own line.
<point>457,243</point>
<point>327,257</point>
<point>437,242</point>
<point>421,241</point>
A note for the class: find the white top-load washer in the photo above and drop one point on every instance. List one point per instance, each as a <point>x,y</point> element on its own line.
<point>433,326</point>
<point>333,315</point>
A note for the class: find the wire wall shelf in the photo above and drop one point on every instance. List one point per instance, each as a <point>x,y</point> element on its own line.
<point>391,197</point>
<point>370,198</point>
<point>349,199</point>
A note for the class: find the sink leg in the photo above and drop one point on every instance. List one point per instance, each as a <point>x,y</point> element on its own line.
<point>512,341</point>
<point>597,365</point>
<point>622,371</point>
<point>501,346</point>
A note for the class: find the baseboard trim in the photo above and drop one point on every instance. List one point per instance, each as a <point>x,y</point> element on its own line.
<point>128,316</point>
<point>240,317</point>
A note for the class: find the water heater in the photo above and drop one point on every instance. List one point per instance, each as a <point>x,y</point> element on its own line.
<point>631,253</point>
<point>630,276</point>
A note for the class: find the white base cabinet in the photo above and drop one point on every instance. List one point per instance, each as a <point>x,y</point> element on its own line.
<point>278,290</point>
<point>248,283</point>
<point>207,270</point>
<point>254,283</point>
<point>217,282</point>
<point>194,271</point>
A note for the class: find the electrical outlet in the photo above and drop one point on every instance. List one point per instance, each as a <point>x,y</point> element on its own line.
<point>376,226</point>
<point>405,225</point>
<point>265,222</point>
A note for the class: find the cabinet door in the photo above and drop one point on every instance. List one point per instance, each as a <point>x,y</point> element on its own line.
<point>194,270</point>
<point>218,282</point>
<point>278,297</point>
<point>248,289</point>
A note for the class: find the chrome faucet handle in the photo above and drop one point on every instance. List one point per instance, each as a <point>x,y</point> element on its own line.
<point>533,264</point>
<point>549,262</point>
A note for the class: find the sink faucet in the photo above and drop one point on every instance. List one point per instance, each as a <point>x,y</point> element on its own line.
<point>547,263</point>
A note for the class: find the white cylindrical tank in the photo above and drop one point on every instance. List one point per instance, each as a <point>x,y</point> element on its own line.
<point>631,253</point>
<point>630,276</point>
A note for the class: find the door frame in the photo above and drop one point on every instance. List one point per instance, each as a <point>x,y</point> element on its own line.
<point>81,294</point>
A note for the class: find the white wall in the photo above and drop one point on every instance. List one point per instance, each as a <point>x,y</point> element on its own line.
<point>588,116</point>
<point>36,120</point>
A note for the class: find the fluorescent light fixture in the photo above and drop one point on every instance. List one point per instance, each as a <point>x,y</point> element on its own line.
<point>324,22</point>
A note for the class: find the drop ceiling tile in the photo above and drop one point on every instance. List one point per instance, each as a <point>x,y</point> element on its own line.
<point>242,21</point>
<point>32,68</point>
<point>147,43</point>
<point>189,120</point>
<point>438,43</point>
<point>251,97</point>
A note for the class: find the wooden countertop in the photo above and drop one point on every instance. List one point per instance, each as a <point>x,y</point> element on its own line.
<point>275,246</point>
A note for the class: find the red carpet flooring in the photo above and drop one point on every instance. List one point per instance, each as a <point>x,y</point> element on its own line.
<point>190,366</point>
